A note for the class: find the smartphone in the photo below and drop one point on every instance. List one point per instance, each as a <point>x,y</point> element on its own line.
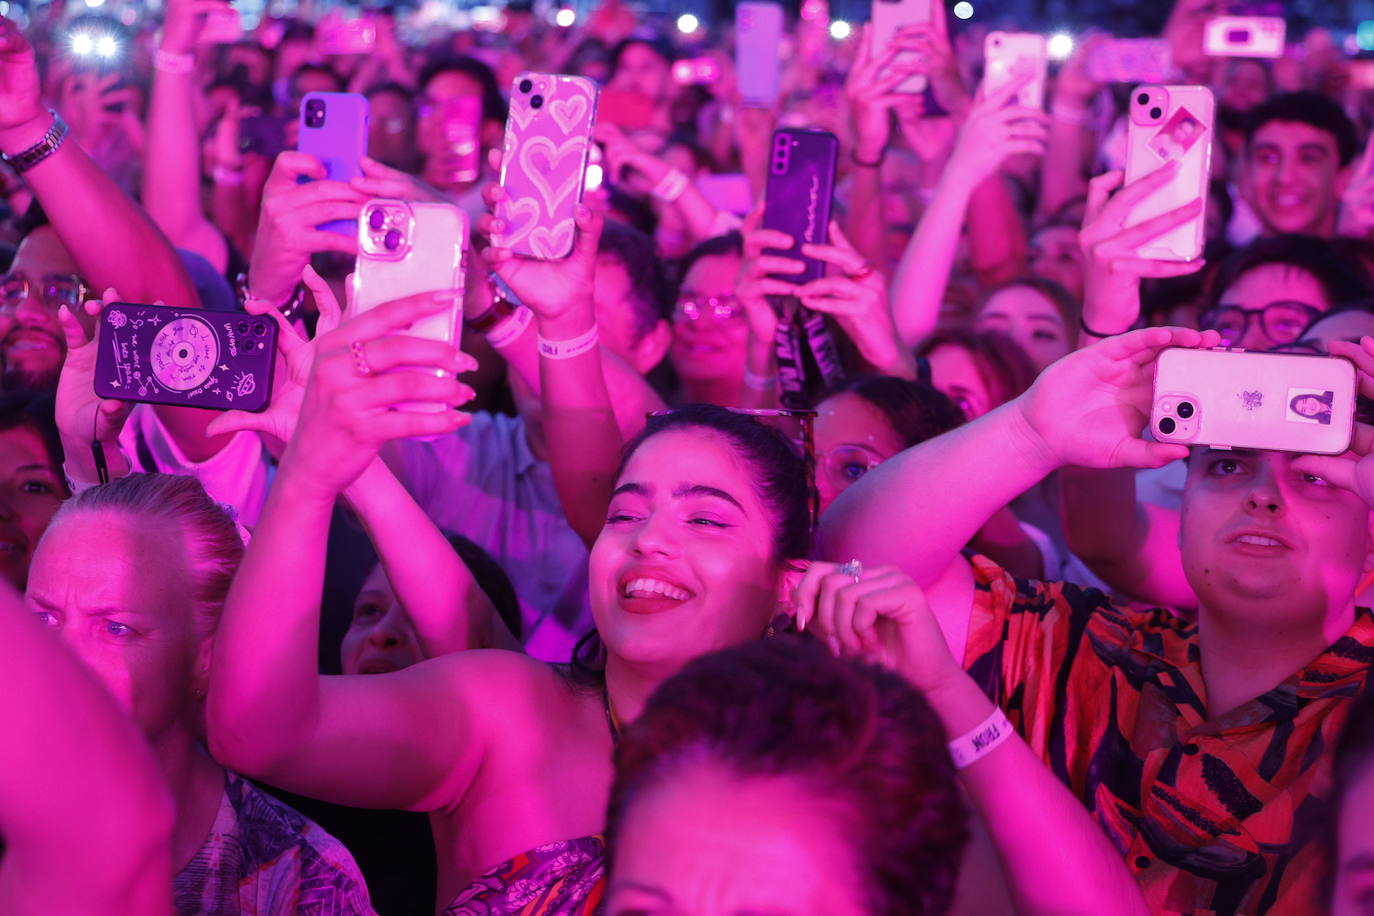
<point>888,18</point>
<point>697,71</point>
<point>799,190</point>
<point>155,354</point>
<point>544,163</point>
<point>223,26</point>
<point>1244,36</point>
<point>405,248</point>
<point>1285,402</point>
<point>460,120</point>
<point>1005,54</point>
<point>348,36</point>
<point>263,134</point>
<point>758,36</point>
<point>1130,60</point>
<point>333,129</point>
<point>1171,123</point>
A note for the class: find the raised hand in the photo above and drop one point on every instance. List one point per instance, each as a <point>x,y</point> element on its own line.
<point>1354,470</point>
<point>287,234</point>
<point>183,22</point>
<point>20,88</point>
<point>83,417</point>
<point>996,130</point>
<point>1113,266</point>
<point>869,90</point>
<point>380,180</point>
<point>879,613</point>
<point>756,281</point>
<point>1089,408</point>
<point>856,294</point>
<point>351,402</point>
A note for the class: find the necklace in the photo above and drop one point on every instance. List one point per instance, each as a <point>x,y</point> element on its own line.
<point>612,721</point>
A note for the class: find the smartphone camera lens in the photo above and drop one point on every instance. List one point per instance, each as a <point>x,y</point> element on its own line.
<point>1142,99</point>
<point>259,328</point>
<point>1156,112</point>
<point>526,85</point>
<point>1167,426</point>
<point>392,240</point>
<point>376,219</point>
<point>242,327</point>
<point>536,101</point>
<point>314,113</point>
<point>1185,409</point>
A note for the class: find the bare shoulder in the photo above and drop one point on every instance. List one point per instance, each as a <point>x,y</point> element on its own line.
<point>498,687</point>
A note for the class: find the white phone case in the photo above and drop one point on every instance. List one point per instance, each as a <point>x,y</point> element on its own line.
<point>1238,399</point>
<point>888,17</point>
<point>1169,123</point>
<point>1003,52</point>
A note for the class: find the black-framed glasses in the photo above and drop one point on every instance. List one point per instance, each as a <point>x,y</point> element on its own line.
<point>711,308</point>
<point>1282,322</point>
<point>799,427</point>
<point>53,290</point>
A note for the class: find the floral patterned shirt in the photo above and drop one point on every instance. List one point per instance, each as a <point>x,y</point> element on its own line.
<point>567,878</point>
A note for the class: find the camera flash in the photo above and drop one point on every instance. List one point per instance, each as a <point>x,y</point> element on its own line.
<point>1060,46</point>
<point>840,30</point>
<point>106,46</point>
<point>82,43</point>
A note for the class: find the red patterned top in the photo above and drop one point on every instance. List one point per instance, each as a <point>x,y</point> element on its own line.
<point>567,878</point>
<point>1212,815</point>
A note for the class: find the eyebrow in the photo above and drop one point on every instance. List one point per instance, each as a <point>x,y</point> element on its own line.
<point>683,489</point>
<point>38,467</point>
<point>93,612</point>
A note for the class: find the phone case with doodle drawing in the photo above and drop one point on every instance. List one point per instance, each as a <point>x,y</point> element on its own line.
<point>155,354</point>
<point>544,163</point>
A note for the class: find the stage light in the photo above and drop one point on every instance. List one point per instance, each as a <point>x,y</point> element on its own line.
<point>106,46</point>
<point>82,44</point>
<point>963,10</point>
<point>840,30</point>
<point>1060,46</point>
<point>1364,35</point>
<point>687,23</point>
<point>95,3</point>
<point>565,17</point>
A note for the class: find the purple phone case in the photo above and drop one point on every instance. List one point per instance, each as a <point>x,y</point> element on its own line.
<point>340,142</point>
<point>801,184</point>
<point>154,354</point>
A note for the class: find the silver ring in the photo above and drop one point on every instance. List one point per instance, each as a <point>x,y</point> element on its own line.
<point>360,364</point>
<point>853,569</point>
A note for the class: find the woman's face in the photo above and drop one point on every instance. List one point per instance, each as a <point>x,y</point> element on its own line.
<point>955,372</point>
<point>641,70</point>
<point>1355,845</point>
<point>381,637</point>
<point>1056,255</point>
<point>31,489</point>
<point>1026,316</point>
<point>852,438</point>
<point>704,842</point>
<point>709,347</point>
<point>685,564</point>
<point>116,589</point>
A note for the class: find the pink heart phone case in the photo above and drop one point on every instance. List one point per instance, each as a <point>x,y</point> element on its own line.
<point>544,163</point>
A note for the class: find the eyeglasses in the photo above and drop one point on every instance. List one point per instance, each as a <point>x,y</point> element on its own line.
<point>53,290</point>
<point>714,308</point>
<point>798,426</point>
<point>1282,322</point>
<point>843,465</point>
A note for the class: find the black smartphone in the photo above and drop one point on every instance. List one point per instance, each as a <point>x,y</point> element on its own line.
<point>799,192</point>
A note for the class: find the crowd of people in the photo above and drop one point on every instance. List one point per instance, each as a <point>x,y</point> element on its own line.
<point>649,614</point>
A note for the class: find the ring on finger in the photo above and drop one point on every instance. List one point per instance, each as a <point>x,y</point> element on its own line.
<point>361,367</point>
<point>864,271</point>
<point>854,569</point>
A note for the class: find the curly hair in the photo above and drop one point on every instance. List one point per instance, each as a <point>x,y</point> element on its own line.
<point>856,737</point>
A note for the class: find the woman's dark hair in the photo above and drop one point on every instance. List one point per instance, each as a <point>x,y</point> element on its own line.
<point>651,286</point>
<point>916,411</point>
<point>1311,108</point>
<point>1343,279</point>
<point>729,243</point>
<point>781,479</point>
<point>34,410</point>
<point>1353,758</point>
<point>858,741</point>
<point>492,580</point>
<point>307,69</point>
<point>1003,366</point>
<point>1063,301</point>
<point>493,102</point>
<point>660,46</point>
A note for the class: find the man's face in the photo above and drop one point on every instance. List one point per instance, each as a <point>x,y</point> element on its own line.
<point>32,344</point>
<point>1255,529</point>
<point>1261,287</point>
<point>1293,178</point>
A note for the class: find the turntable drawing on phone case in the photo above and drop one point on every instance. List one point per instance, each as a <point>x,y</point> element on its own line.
<point>161,355</point>
<point>543,167</point>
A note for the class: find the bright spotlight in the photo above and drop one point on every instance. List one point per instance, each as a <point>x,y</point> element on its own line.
<point>840,30</point>
<point>687,23</point>
<point>1060,46</point>
<point>565,17</point>
<point>963,10</point>
<point>95,3</point>
<point>106,46</point>
<point>82,43</point>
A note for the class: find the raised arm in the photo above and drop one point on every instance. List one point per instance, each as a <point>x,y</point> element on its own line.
<point>1055,858</point>
<point>403,740</point>
<point>1072,140</point>
<point>171,178</point>
<point>85,814</point>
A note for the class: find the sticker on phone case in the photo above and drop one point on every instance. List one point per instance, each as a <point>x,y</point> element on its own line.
<point>1310,405</point>
<point>1251,400</point>
<point>1180,134</point>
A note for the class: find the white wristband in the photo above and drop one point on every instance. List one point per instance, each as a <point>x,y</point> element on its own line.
<point>567,349</point>
<point>511,328</point>
<point>993,730</point>
<point>670,186</point>
<point>172,62</point>
<point>759,382</point>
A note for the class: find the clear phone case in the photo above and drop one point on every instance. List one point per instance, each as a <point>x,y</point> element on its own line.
<point>888,17</point>
<point>1004,53</point>
<point>1171,123</point>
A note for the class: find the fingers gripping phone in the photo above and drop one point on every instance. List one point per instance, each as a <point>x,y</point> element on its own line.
<point>460,119</point>
<point>1238,399</point>
<point>333,129</point>
<point>1171,124</point>
<point>155,354</point>
<point>1006,55</point>
<point>758,37</point>
<point>798,193</point>
<point>544,164</point>
<point>888,18</point>
<point>406,248</point>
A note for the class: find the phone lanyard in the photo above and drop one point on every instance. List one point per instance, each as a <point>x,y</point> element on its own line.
<point>802,330</point>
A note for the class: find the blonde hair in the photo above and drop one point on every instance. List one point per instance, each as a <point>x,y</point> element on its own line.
<point>207,531</point>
